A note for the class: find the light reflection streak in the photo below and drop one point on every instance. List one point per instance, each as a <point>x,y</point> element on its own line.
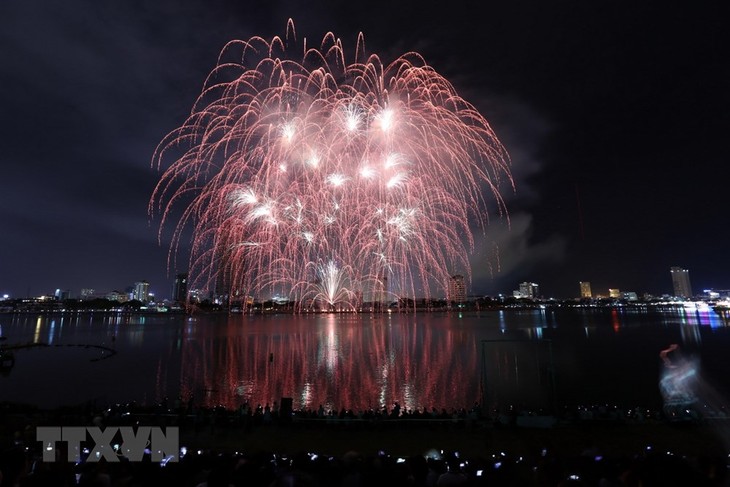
<point>37,334</point>
<point>615,321</point>
<point>690,334</point>
<point>51,329</point>
<point>359,364</point>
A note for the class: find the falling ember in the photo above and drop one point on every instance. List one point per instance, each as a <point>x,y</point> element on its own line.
<point>300,173</point>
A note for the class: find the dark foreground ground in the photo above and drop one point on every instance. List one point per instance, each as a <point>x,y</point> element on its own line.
<point>401,434</point>
<point>480,440</point>
<point>230,450</point>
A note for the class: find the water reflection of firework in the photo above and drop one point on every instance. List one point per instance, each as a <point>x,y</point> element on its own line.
<point>285,166</point>
<point>329,360</point>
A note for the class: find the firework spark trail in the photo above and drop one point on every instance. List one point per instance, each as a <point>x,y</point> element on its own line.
<point>285,167</point>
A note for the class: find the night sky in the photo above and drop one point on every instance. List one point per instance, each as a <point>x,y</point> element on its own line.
<point>615,114</point>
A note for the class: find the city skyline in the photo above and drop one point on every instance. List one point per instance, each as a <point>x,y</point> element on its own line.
<point>613,116</point>
<point>456,291</point>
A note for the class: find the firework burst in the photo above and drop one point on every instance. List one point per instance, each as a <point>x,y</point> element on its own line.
<point>300,173</point>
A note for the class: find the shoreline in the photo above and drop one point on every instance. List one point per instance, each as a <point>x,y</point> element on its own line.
<point>469,307</point>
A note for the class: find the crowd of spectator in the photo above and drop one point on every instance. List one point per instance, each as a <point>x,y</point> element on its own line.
<point>211,468</point>
<point>21,461</point>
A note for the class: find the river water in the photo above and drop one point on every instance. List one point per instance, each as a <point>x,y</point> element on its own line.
<point>530,358</point>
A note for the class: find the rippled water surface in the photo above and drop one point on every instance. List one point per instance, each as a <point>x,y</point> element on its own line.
<point>442,360</point>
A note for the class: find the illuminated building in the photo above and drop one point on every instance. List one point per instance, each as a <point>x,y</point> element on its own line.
<point>614,293</point>
<point>62,295</point>
<point>680,282</point>
<point>117,296</point>
<point>141,291</point>
<point>585,289</point>
<point>457,289</point>
<point>529,290</point>
<point>180,289</point>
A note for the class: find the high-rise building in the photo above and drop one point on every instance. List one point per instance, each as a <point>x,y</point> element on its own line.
<point>180,289</point>
<point>62,295</point>
<point>680,282</point>
<point>141,291</point>
<point>457,289</point>
<point>529,290</point>
<point>585,289</point>
<point>614,293</point>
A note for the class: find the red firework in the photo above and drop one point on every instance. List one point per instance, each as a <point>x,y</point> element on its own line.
<point>324,180</point>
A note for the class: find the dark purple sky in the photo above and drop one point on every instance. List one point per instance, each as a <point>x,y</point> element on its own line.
<point>616,116</point>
